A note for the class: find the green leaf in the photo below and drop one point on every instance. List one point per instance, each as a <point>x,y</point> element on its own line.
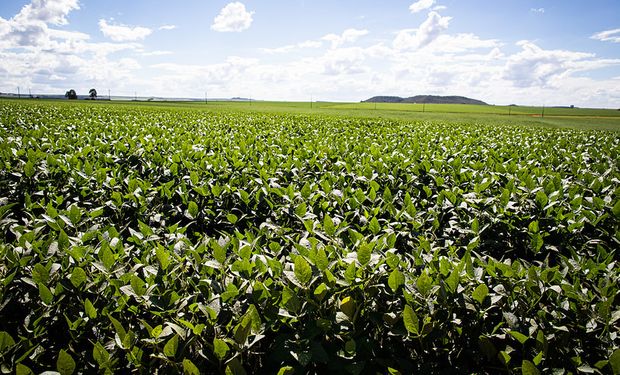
<point>614,362</point>
<point>348,306</point>
<point>6,341</point>
<point>424,283</point>
<point>78,277</point>
<point>411,320</point>
<point>395,280</point>
<point>452,281</point>
<point>65,363</point>
<point>90,309</point>
<point>616,209</point>
<point>171,347</point>
<point>40,274</point>
<point>328,225</point>
<point>220,348</point>
<point>519,336</point>
<point>303,271</point>
<point>138,285</point>
<point>189,368</point>
<point>374,226</point>
<point>528,368</point>
<point>363,254</point>
<point>286,370</point>
<point>321,260</point>
<point>192,209</point>
<point>100,355</point>
<point>46,295</point>
<point>232,218</point>
<point>22,369</point>
<point>301,209</point>
<point>29,169</point>
<point>541,198</point>
<point>480,293</point>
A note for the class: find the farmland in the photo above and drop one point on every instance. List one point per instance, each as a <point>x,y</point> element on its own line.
<point>175,238</point>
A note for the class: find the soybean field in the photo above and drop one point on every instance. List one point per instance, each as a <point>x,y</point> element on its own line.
<point>168,239</point>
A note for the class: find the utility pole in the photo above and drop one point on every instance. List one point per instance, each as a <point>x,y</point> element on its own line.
<point>509,109</point>
<point>375,105</point>
<point>206,100</point>
<point>423,107</point>
<point>29,92</point>
<point>19,96</point>
<point>135,96</point>
<point>543,111</point>
<point>109,96</point>
<point>310,101</point>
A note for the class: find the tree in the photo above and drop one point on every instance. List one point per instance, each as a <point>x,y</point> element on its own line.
<point>93,94</point>
<point>71,94</point>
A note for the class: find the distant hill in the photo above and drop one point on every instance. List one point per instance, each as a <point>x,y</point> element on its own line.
<point>433,99</point>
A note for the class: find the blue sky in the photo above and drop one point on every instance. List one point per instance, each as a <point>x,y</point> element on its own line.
<point>525,52</point>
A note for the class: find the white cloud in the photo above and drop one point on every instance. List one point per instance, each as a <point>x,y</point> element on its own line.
<point>421,5</point>
<point>428,31</point>
<point>48,11</point>
<point>167,27</point>
<point>347,36</point>
<point>294,47</point>
<point>537,10</point>
<point>233,17</point>
<point>123,33</point>
<point>608,36</point>
<point>534,66</point>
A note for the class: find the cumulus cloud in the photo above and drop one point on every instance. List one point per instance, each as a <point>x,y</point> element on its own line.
<point>534,66</point>
<point>421,5</point>
<point>167,27</point>
<point>233,17</point>
<point>537,10</point>
<point>347,36</point>
<point>424,35</point>
<point>608,36</point>
<point>123,33</point>
<point>48,11</point>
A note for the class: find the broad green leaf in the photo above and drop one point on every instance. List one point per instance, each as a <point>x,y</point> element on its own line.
<point>519,336</point>
<point>424,283</point>
<point>328,225</point>
<point>348,306</point>
<point>452,281</point>
<point>6,341</point>
<point>138,285</point>
<point>616,209</point>
<point>541,198</point>
<point>395,280</point>
<point>65,363</point>
<point>46,295</point>
<point>301,209</point>
<point>29,169</point>
<point>364,253</point>
<point>303,271</point>
<point>100,355</point>
<point>189,368</point>
<point>232,218</point>
<point>22,369</point>
<point>171,347</point>
<point>91,311</point>
<point>374,226</point>
<point>528,368</point>
<point>480,293</point>
<point>220,348</point>
<point>192,209</point>
<point>40,274</point>
<point>78,277</point>
<point>411,320</point>
<point>321,260</point>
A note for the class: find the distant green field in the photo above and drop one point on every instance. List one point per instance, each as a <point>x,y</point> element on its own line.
<point>576,118</point>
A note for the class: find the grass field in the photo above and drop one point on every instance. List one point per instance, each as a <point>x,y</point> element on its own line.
<point>237,237</point>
